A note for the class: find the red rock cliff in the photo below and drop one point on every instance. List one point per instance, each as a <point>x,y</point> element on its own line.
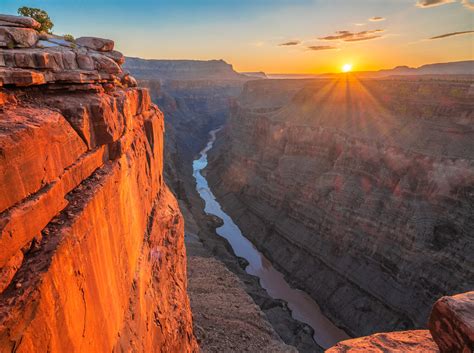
<point>92,257</point>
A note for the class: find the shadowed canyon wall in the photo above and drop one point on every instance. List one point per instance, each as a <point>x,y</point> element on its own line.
<point>361,191</point>
<point>195,97</point>
<point>92,255</point>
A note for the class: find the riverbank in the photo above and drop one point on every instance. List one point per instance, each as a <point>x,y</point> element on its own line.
<point>303,307</point>
<point>202,239</point>
<point>226,319</point>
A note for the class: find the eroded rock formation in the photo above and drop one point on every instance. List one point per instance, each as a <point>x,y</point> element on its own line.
<point>451,326</point>
<point>360,191</point>
<point>92,255</point>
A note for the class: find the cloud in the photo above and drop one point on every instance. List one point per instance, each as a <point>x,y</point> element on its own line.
<point>376,19</point>
<point>468,4</point>
<point>348,36</point>
<point>290,43</point>
<point>321,47</point>
<point>432,3</point>
<point>451,34</point>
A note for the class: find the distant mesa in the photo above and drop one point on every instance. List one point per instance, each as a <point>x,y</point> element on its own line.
<point>181,69</point>
<point>258,74</point>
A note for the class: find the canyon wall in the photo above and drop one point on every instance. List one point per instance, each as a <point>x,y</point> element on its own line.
<point>360,191</point>
<point>181,69</point>
<point>195,97</point>
<point>92,255</point>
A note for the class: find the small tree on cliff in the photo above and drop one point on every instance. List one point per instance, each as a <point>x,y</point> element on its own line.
<point>39,15</point>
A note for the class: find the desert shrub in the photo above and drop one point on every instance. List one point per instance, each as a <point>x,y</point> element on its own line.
<point>69,38</point>
<point>39,15</point>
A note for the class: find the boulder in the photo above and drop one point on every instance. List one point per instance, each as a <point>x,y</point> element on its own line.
<point>95,43</point>
<point>452,323</point>
<point>19,21</point>
<point>115,56</point>
<point>85,62</point>
<point>104,63</point>
<point>128,81</point>
<point>17,37</point>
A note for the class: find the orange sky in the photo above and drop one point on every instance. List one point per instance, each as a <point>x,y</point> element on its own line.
<point>249,33</point>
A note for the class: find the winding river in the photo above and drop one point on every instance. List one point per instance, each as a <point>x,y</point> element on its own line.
<point>303,307</point>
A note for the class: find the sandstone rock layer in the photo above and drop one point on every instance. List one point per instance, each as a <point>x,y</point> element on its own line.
<point>92,255</point>
<point>452,323</point>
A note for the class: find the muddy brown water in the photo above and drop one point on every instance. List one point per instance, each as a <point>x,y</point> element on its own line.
<point>303,307</point>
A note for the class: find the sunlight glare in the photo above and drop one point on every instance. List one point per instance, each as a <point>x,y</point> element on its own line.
<point>346,67</point>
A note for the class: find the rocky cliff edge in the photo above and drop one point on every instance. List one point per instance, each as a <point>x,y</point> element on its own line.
<point>92,257</point>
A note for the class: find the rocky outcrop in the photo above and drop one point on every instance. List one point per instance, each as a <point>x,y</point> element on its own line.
<point>31,58</point>
<point>451,330</point>
<point>403,341</point>
<point>92,255</point>
<point>359,190</point>
<point>452,323</point>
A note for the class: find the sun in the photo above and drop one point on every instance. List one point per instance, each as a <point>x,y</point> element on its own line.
<point>346,68</point>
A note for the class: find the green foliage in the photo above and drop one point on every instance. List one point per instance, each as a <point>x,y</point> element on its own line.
<point>69,38</point>
<point>39,15</point>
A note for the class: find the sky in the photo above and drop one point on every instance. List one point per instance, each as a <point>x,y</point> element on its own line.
<point>274,36</point>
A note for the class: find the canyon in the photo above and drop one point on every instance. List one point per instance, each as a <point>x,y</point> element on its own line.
<point>360,191</point>
<point>195,106</point>
<point>325,209</point>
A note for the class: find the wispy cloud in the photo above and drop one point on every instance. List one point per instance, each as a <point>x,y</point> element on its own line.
<point>468,4</point>
<point>377,19</point>
<point>432,3</point>
<point>451,34</point>
<point>289,43</point>
<point>321,47</point>
<point>348,36</point>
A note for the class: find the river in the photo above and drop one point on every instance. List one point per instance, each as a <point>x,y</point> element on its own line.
<point>303,307</point>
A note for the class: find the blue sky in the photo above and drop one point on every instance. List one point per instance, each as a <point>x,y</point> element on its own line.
<point>248,33</point>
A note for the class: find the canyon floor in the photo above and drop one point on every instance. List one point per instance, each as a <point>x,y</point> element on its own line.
<point>226,319</point>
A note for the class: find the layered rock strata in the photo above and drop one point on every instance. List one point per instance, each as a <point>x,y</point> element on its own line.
<point>92,255</point>
<point>32,58</point>
<point>360,191</point>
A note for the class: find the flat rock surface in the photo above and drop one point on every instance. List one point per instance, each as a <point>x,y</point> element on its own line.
<point>95,43</point>
<point>20,20</point>
<point>416,341</point>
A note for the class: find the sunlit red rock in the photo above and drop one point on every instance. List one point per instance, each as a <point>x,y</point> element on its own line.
<point>92,256</point>
<point>393,342</point>
<point>452,323</point>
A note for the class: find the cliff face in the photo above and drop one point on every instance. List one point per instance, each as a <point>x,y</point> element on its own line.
<point>92,255</point>
<point>360,191</point>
